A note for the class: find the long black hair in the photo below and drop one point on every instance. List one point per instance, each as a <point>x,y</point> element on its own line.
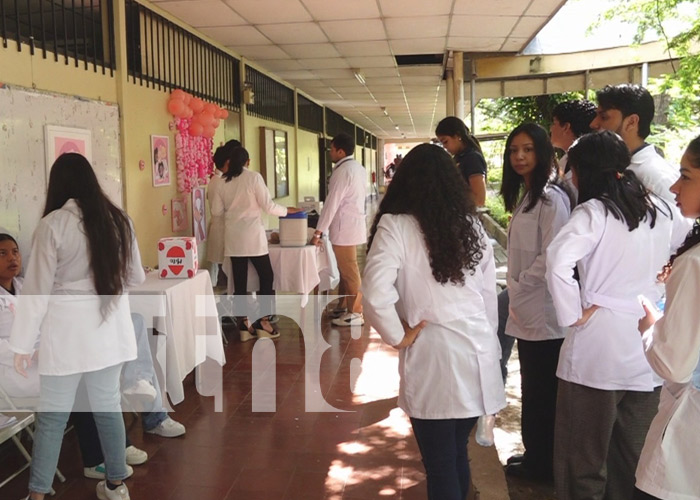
<point>106,227</point>
<point>512,182</point>
<point>222,153</point>
<point>600,162</point>
<point>692,153</point>
<point>454,127</point>
<point>428,187</point>
<point>238,157</point>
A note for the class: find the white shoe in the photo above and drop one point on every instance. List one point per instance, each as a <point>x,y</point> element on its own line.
<point>135,456</point>
<point>98,471</point>
<point>349,319</point>
<point>168,428</point>
<point>104,493</point>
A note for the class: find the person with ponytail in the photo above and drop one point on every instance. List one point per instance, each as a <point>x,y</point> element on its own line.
<point>84,257</point>
<point>241,200</point>
<point>668,466</point>
<point>455,137</point>
<point>617,237</point>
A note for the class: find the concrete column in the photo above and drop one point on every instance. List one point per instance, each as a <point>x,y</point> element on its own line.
<point>449,93</point>
<point>458,58</point>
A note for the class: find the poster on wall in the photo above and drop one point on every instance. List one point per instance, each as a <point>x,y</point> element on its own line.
<point>60,140</point>
<point>178,211</point>
<point>199,214</point>
<point>160,153</point>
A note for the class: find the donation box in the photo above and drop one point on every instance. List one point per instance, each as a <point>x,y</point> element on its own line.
<point>177,257</point>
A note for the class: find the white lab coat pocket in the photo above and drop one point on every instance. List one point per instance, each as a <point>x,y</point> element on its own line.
<point>524,233</point>
<point>527,305</point>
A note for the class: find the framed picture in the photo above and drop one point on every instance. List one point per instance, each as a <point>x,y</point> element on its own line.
<point>160,156</point>
<point>199,214</point>
<point>178,212</point>
<point>281,165</point>
<point>274,161</point>
<point>60,140</point>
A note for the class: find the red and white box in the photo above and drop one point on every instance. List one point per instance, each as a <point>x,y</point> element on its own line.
<point>177,257</point>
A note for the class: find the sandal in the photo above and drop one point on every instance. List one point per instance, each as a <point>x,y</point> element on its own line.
<point>264,329</point>
<point>247,331</point>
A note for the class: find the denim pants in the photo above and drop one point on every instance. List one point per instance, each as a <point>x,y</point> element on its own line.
<point>443,448</point>
<point>56,402</point>
<point>142,369</point>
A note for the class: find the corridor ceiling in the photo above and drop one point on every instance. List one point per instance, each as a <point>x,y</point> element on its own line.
<point>320,45</point>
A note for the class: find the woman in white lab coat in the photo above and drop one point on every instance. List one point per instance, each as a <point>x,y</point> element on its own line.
<point>540,205</point>
<point>84,256</point>
<point>241,200</point>
<point>618,237</point>
<point>429,289</point>
<point>668,466</point>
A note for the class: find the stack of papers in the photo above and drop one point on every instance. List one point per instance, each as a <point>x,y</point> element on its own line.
<point>7,421</point>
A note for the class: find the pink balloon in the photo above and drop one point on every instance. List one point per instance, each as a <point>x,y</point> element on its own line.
<point>177,94</point>
<point>209,132</point>
<point>188,98</point>
<point>204,119</point>
<point>176,107</point>
<point>210,108</point>
<point>224,114</point>
<point>196,104</point>
<point>196,129</point>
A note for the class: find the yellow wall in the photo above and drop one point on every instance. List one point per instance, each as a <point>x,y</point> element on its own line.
<point>307,165</point>
<point>21,68</point>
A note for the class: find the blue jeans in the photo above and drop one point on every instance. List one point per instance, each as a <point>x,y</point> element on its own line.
<point>56,401</point>
<point>443,448</point>
<point>142,369</point>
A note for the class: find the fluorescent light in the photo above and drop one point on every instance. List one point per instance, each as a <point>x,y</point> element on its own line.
<point>359,76</point>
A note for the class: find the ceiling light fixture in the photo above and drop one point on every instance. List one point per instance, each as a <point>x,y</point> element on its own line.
<point>383,108</point>
<point>359,76</point>
<point>396,127</point>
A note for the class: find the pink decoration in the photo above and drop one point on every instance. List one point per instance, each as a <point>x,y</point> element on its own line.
<point>193,155</point>
<point>142,165</point>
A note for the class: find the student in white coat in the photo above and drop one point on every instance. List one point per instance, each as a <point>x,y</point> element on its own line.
<point>343,216</point>
<point>618,237</point>
<point>628,110</point>
<point>540,206</point>
<point>84,256</point>
<point>241,201</point>
<point>215,232</point>
<point>668,466</point>
<point>430,270</point>
<point>570,120</point>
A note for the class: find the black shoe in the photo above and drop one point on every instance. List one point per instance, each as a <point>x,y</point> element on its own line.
<point>516,459</point>
<point>523,471</point>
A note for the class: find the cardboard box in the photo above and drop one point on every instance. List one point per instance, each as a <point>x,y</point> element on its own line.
<point>177,257</point>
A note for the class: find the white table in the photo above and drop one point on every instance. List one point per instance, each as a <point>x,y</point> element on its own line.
<point>297,270</point>
<point>184,312</point>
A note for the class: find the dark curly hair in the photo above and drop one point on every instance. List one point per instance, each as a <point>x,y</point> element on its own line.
<point>629,100</point>
<point>513,183</point>
<point>577,113</point>
<point>428,187</point>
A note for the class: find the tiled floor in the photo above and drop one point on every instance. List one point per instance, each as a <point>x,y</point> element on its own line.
<point>365,451</point>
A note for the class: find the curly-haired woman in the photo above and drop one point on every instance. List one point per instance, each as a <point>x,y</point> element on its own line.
<point>430,270</point>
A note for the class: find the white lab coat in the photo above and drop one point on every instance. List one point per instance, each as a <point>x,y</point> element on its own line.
<point>657,176</point>
<point>668,466</point>
<point>532,316</point>
<point>343,214</point>
<point>8,305</point>
<point>58,300</point>
<point>242,201</point>
<point>215,233</point>
<point>615,265</point>
<point>452,370</point>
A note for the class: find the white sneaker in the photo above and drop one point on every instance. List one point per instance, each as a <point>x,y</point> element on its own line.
<point>135,456</point>
<point>104,493</point>
<point>168,428</point>
<point>98,471</point>
<point>349,319</point>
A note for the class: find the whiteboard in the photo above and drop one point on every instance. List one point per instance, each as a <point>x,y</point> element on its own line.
<point>23,180</point>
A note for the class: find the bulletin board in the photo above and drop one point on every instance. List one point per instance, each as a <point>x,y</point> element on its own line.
<point>23,180</point>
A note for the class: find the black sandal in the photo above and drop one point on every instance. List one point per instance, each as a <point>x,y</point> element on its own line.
<point>247,331</point>
<point>264,329</point>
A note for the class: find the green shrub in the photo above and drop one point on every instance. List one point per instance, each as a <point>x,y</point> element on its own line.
<point>497,211</point>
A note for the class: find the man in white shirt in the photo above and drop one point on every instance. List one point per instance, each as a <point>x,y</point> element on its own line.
<point>343,216</point>
<point>628,110</point>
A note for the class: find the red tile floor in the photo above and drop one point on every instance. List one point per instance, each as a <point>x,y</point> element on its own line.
<point>364,452</point>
